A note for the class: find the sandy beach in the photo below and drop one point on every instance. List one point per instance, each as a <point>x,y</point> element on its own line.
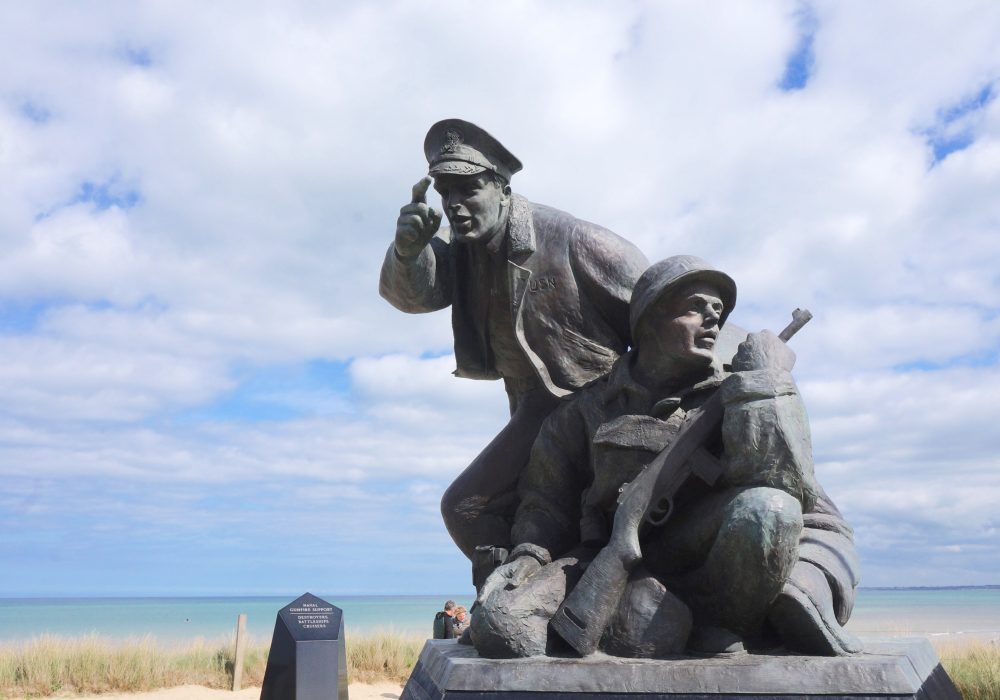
<point>357,691</point>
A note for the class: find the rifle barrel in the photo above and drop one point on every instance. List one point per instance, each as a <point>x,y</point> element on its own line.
<point>800,317</point>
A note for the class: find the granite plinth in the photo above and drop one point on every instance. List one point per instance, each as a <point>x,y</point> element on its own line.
<point>308,658</point>
<point>888,669</point>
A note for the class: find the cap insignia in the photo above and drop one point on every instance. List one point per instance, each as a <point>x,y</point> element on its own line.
<point>452,140</point>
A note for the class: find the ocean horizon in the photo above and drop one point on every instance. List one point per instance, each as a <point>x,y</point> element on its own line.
<point>953,611</point>
<point>183,618</point>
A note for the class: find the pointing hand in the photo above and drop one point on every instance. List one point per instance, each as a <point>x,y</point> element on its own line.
<point>417,222</point>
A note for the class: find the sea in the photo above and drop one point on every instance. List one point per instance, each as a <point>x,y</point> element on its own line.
<point>945,613</point>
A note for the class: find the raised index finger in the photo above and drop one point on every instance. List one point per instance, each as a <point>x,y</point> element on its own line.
<point>420,190</point>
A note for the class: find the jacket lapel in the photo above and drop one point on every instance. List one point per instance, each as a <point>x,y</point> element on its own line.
<point>520,228</point>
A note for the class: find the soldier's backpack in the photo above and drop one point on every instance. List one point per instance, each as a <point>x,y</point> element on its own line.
<point>439,625</point>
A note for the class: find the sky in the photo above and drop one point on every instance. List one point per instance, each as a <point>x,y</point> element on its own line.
<point>204,393</point>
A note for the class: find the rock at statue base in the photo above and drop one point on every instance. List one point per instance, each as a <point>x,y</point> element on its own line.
<point>895,669</point>
<point>308,659</point>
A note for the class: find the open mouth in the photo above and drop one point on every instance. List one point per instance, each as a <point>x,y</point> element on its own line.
<point>461,224</point>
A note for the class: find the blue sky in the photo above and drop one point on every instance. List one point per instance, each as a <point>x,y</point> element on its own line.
<point>206,395</point>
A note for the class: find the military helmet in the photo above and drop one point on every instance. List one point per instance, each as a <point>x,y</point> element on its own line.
<point>668,275</point>
<point>458,147</point>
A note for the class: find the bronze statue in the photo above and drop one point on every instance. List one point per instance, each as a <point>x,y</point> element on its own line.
<point>539,299</point>
<point>671,507</point>
<point>653,495</point>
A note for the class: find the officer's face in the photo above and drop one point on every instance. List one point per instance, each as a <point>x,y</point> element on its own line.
<point>474,204</point>
<point>685,325</point>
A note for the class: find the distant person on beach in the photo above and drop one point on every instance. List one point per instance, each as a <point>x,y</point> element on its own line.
<point>461,620</point>
<point>444,621</point>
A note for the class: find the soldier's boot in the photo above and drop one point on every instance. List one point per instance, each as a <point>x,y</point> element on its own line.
<point>485,561</point>
<point>803,615</point>
<point>707,640</point>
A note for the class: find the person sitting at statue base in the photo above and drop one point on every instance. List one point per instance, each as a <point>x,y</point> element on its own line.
<point>759,558</point>
<point>444,621</point>
<point>461,619</point>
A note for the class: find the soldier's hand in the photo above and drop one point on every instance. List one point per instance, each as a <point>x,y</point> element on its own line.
<point>508,576</point>
<point>417,222</point>
<point>763,350</point>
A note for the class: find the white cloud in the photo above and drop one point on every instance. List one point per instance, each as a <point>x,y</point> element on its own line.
<point>270,148</point>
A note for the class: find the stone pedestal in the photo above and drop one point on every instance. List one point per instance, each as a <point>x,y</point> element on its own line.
<point>308,658</point>
<point>888,669</point>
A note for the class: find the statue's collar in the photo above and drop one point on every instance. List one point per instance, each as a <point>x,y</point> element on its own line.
<point>622,383</point>
<point>520,227</point>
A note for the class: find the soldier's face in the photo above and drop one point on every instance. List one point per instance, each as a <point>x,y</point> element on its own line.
<point>474,204</point>
<point>685,325</point>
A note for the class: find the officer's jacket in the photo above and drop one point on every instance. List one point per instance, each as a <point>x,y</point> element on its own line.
<point>570,282</point>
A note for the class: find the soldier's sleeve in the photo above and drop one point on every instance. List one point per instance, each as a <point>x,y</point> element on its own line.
<point>552,483</point>
<point>420,284</point>
<point>765,434</point>
<point>607,267</point>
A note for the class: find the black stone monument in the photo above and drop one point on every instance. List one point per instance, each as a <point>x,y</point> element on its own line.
<point>308,659</point>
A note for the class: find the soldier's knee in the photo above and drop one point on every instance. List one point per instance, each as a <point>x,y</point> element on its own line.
<point>459,520</point>
<point>766,508</point>
<point>756,548</point>
<point>460,507</point>
<point>449,501</point>
<point>766,521</point>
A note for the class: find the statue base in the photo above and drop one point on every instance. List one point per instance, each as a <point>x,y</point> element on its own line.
<point>888,668</point>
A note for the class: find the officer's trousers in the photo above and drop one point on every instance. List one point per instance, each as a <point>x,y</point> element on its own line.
<point>479,506</point>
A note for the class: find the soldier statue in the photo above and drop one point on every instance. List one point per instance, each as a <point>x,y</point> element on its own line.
<point>538,298</point>
<point>751,555</point>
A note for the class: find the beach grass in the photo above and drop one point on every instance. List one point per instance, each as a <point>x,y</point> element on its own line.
<point>382,656</point>
<point>974,667</point>
<point>47,665</point>
<point>51,665</point>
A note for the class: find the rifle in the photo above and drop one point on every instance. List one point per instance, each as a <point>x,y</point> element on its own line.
<point>587,610</point>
